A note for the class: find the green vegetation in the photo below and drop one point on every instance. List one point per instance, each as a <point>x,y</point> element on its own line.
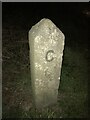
<point>17,94</point>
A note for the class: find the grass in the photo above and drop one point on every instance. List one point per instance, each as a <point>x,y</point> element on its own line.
<point>17,94</point>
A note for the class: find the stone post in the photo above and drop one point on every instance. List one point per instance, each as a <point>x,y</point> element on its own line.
<point>46,43</point>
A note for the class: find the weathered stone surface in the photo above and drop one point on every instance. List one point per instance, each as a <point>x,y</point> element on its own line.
<point>46,43</point>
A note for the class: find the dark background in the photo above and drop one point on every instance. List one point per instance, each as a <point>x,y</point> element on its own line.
<point>73,20</point>
<point>62,14</point>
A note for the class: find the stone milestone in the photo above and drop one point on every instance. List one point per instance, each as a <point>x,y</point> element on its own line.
<point>46,42</point>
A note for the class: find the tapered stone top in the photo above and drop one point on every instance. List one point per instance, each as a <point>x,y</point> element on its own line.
<point>46,43</point>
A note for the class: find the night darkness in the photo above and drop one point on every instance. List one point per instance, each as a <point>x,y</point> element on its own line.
<point>62,14</point>
<point>72,20</point>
